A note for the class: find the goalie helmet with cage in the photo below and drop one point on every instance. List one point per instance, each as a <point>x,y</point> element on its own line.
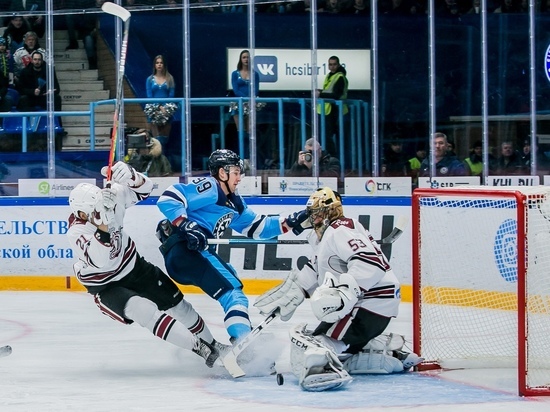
<point>84,198</point>
<point>323,207</point>
<point>224,158</point>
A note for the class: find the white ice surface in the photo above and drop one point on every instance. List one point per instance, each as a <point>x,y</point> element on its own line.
<point>68,357</point>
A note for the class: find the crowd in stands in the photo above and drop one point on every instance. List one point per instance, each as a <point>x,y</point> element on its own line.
<point>505,159</point>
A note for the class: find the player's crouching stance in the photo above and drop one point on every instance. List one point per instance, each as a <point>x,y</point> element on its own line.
<point>353,292</point>
<point>125,286</point>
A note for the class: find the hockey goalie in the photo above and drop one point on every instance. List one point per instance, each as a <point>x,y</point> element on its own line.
<point>353,292</point>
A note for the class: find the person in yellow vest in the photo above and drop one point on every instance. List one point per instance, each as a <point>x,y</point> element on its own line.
<point>335,87</point>
<point>412,167</point>
<point>474,162</point>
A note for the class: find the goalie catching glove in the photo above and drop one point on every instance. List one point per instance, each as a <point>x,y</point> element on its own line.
<point>124,174</point>
<point>285,298</point>
<point>335,298</point>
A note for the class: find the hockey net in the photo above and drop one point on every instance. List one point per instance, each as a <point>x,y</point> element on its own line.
<point>481,279</point>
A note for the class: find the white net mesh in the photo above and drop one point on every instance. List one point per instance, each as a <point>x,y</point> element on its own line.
<point>468,274</point>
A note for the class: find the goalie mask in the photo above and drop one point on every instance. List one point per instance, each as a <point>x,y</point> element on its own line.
<point>323,207</point>
<point>84,198</point>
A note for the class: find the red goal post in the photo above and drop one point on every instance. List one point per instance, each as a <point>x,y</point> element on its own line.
<point>481,280</point>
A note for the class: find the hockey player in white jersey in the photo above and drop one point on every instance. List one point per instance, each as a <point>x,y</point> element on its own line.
<point>353,292</point>
<point>125,286</point>
<point>204,208</point>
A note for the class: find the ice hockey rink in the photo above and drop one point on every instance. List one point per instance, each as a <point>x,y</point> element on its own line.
<point>68,357</point>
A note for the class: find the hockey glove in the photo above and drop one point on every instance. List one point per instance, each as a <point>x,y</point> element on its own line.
<point>109,198</point>
<point>298,221</point>
<point>285,298</point>
<point>102,216</point>
<point>123,174</point>
<point>194,235</point>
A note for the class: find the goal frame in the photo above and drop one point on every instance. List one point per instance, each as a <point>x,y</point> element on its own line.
<point>521,291</point>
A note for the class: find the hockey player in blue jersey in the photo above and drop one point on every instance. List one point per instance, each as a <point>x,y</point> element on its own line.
<point>204,208</point>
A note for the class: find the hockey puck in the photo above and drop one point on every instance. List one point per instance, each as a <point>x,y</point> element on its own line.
<point>280,379</point>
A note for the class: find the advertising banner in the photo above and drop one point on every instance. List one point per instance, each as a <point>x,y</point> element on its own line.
<point>296,186</point>
<point>447,181</point>
<point>49,187</point>
<point>378,186</point>
<point>33,239</point>
<point>290,69</point>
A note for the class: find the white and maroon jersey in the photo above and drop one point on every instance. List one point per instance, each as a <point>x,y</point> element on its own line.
<point>102,262</point>
<point>347,247</point>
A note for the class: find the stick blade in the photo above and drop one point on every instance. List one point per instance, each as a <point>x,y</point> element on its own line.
<point>230,363</point>
<point>116,10</point>
<point>402,222</point>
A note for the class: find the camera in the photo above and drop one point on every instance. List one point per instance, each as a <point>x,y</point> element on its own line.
<point>308,156</point>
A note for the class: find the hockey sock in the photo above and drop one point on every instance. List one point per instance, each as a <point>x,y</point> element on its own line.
<point>145,313</point>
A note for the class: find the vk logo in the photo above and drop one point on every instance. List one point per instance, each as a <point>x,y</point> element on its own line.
<point>267,68</point>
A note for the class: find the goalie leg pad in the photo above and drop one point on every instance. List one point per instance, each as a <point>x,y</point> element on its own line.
<point>372,362</point>
<point>316,366</point>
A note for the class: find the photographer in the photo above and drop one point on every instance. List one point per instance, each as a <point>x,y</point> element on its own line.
<point>145,155</point>
<point>329,166</point>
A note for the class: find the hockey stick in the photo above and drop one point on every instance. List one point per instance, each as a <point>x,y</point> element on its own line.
<point>396,232</point>
<point>5,351</point>
<point>230,358</point>
<point>124,15</point>
<point>402,222</point>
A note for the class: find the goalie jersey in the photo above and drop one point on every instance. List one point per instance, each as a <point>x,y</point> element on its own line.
<point>347,247</point>
<point>98,262</point>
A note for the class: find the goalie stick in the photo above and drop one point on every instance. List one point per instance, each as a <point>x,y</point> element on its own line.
<point>124,15</point>
<point>229,360</point>
<point>5,351</point>
<point>396,232</point>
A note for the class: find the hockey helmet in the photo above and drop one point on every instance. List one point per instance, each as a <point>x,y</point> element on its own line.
<point>84,198</point>
<point>323,207</point>
<point>224,158</point>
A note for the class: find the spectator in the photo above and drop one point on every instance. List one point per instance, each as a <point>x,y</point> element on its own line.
<point>5,99</point>
<point>359,7</point>
<point>83,26</point>
<point>542,160</point>
<point>328,165</point>
<point>509,162</point>
<point>334,6</point>
<point>394,160</point>
<point>160,84</point>
<point>22,56</point>
<point>125,286</point>
<point>335,87</point>
<point>36,22</point>
<point>33,88</point>
<point>15,33</point>
<point>445,165</point>
<point>474,162</point>
<point>205,208</point>
<point>240,82</point>
<point>412,167</point>
<point>149,159</point>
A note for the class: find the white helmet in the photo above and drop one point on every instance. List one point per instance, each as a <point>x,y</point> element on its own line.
<point>332,301</point>
<point>84,198</point>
